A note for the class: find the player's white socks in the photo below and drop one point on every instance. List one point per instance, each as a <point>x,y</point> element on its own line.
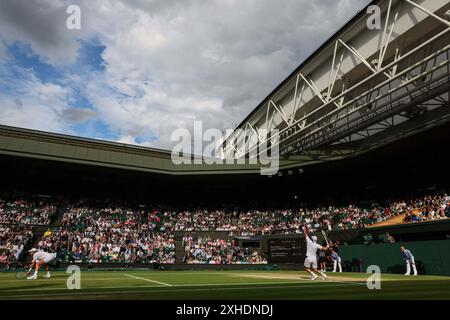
<point>313,274</point>
<point>323,274</point>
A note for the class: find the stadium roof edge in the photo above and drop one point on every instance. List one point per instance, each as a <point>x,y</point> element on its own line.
<point>35,132</point>
<point>30,143</point>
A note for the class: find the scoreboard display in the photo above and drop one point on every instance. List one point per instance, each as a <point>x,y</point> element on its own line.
<point>286,250</point>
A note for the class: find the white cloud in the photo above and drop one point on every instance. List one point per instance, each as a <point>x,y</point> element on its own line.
<point>37,106</point>
<point>132,140</point>
<point>26,101</point>
<point>127,140</point>
<point>171,62</point>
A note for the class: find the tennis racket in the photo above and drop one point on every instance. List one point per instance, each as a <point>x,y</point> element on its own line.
<point>21,274</point>
<point>325,236</point>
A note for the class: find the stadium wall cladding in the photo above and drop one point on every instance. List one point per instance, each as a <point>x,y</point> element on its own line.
<point>429,242</point>
<point>431,257</point>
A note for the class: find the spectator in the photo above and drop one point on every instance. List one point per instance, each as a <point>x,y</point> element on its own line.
<point>22,211</point>
<point>218,251</point>
<point>389,238</point>
<point>4,258</point>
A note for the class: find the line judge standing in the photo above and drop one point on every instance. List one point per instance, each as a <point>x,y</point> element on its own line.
<point>409,259</point>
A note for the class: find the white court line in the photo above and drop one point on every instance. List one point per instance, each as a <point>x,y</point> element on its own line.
<point>148,280</point>
<point>57,279</point>
<point>168,290</point>
<point>174,286</point>
<point>319,283</point>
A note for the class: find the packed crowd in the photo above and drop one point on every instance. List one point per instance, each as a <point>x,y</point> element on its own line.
<point>250,222</point>
<point>115,233</point>
<point>327,218</point>
<point>430,208</point>
<point>218,251</point>
<point>418,209</point>
<point>26,212</point>
<point>110,235</point>
<point>13,239</point>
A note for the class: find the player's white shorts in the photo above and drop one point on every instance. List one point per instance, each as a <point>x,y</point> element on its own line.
<point>50,258</point>
<point>311,262</point>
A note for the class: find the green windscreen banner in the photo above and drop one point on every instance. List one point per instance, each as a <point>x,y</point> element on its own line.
<point>432,257</point>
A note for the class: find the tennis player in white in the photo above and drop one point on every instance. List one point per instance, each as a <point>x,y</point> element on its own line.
<point>311,255</point>
<point>40,259</point>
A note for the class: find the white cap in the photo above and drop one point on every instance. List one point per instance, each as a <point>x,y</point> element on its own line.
<point>33,250</point>
<point>314,238</point>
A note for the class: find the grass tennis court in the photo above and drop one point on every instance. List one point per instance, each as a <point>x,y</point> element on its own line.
<point>257,285</point>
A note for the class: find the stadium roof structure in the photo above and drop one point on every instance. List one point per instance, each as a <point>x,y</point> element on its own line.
<point>364,88</point>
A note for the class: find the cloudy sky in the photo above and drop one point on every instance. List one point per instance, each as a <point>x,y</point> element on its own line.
<point>138,69</point>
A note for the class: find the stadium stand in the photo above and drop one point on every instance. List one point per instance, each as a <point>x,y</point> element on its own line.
<point>113,232</point>
<point>110,235</point>
<point>430,207</point>
<point>23,211</point>
<point>391,185</point>
<point>218,251</point>
<point>13,240</point>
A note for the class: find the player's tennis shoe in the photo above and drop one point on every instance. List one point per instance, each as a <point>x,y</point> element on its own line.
<point>314,277</point>
<point>33,277</point>
<point>48,275</point>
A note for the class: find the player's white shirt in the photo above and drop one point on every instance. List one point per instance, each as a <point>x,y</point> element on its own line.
<point>43,256</point>
<point>311,248</point>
